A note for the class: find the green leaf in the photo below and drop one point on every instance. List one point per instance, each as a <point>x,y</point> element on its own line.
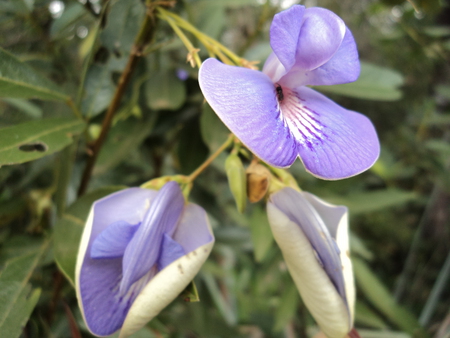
<point>379,297</point>
<point>122,139</point>
<point>214,132</point>
<point>69,228</point>
<point>366,317</point>
<point>262,237</point>
<point>164,91</point>
<point>98,91</point>
<point>17,299</point>
<point>191,149</point>
<point>363,202</point>
<point>288,307</point>
<point>374,83</point>
<point>18,79</point>
<point>35,139</point>
<point>29,108</point>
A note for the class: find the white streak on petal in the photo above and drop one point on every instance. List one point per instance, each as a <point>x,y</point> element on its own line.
<point>300,119</point>
<point>164,288</point>
<point>315,287</point>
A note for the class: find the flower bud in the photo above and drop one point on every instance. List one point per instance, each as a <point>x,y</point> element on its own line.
<point>258,180</point>
<point>237,180</point>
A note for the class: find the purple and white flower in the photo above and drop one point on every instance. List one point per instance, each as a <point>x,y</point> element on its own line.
<point>273,112</point>
<point>140,248</point>
<point>313,237</point>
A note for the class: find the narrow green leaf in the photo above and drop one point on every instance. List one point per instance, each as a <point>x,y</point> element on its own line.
<point>191,149</point>
<point>237,180</point>
<point>288,307</point>
<point>366,317</point>
<point>35,139</point>
<point>18,79</point>
<point>68,230</point>
<point>17,299</point>
<point>29,108</point>
<point>262,237</point>
<point>363,202</point>
<point>381,299</point>
<point>374,83</point>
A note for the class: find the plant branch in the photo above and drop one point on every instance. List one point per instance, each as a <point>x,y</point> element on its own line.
<point>144,36</point>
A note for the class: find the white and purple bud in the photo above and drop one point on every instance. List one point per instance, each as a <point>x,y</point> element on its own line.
<point>313,237</point>
<point>139,250</point>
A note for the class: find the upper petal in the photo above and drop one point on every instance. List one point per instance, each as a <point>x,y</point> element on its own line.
<point>245,100</point>
<point>97,280</point>
<point>321,35</point>
<point>143,250</point>
<point>343,67</point>
<point>333,142</point>
<point>284,34</point>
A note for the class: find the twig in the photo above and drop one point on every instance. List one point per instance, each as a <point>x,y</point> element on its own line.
<point>144,36</point>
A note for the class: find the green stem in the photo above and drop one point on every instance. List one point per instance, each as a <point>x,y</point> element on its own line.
<point>209,160</point>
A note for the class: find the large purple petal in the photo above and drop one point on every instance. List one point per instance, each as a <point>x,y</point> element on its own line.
<point>112,242</point>
<point>245,100</point>
<point>98,280</point>
<point>143,250</point>
<point>321,35</point>
<point>284,34</point>
<point>300,211</point>
<point>344,67</point>
<point>333,142</point>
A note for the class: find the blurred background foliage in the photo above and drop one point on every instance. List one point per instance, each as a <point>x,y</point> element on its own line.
<point>59,66</point>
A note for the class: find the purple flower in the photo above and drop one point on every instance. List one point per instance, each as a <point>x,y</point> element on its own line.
<point>313,237</point>
<point>273,112</point>
<point>140,248</point>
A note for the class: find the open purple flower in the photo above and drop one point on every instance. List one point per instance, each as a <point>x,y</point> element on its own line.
<point>140,248</point>
<point>277,117</point>
<point>313,237</point>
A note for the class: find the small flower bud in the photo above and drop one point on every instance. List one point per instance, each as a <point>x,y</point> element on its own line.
<point>237,180</point>
<point>258,179</point>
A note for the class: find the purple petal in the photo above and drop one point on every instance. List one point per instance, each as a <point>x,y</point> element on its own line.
<point>273,68</point>
<point>143,250</point>
<point>104,310</point>
<point>245,100</point>
<point>298,209</point>
<point>170,251</point>
<point>330,214</point>
<point>112,242</point>
<point>284,34</point>
<point>333,142</point>
<point>194,230</point>
<point>321,34</point>
<point>344,67</point>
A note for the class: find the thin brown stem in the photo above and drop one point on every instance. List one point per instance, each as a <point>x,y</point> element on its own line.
<point>144,36</point>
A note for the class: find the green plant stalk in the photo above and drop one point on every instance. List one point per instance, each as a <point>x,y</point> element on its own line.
<point>144,36</point>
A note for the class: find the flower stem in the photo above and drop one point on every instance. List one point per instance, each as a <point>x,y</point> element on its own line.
<point>208,161</point>
<point>144,36</point>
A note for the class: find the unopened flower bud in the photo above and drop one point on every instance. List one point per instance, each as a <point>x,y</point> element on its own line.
<point>237,180</point>
<point>258,179</point>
